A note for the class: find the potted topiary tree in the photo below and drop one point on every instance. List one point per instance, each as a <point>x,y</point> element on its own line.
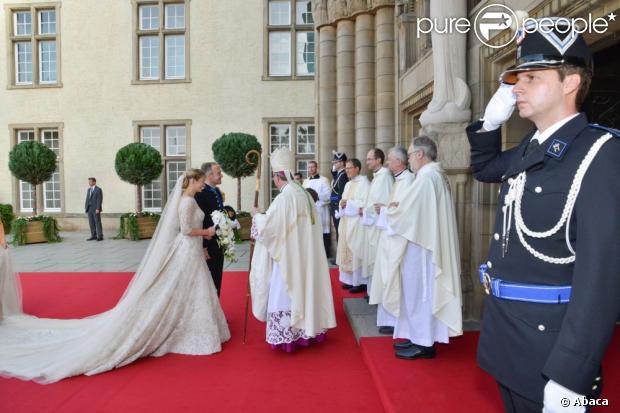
<point>229,151</point>
<point>139,164</point>
<point>35,163</point>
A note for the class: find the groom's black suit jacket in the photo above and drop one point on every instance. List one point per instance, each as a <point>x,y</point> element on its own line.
<point>209,200</point>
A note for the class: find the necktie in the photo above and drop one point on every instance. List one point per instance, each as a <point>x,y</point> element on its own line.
<point>531,147</point>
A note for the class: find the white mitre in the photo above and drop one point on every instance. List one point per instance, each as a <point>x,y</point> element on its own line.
<point>282,161</point>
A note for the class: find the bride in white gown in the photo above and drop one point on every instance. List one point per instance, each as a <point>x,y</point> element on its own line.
<point>170,306</point>
<point>10,296</point>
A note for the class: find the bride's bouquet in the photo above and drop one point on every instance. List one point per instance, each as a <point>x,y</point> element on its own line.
<point>225,234</point>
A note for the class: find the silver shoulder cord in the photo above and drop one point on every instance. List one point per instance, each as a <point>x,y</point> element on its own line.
<point>513,198</point>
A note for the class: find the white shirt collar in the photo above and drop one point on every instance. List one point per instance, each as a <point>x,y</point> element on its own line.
<point>542,137</point>
<point>402,175</point>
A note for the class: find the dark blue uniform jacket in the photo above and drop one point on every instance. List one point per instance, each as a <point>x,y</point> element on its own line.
<point>525,344</point>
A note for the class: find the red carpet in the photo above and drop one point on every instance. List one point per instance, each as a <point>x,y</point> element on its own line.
<point>447,383</point>
<point>242,378</point>
<point>331,377</point>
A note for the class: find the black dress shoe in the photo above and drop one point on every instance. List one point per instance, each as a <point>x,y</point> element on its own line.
<point>99,239</point>
<point>346,286</point>
<point>91,239</point>
<point>416,352</point>
<point>387,330</point>
<point>358,289</point>
<point>403,345</point>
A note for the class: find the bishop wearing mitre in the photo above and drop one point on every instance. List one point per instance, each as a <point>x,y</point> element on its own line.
<point>289,280</point>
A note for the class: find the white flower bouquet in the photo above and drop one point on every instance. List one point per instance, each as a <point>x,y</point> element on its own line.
<point>225,234</point>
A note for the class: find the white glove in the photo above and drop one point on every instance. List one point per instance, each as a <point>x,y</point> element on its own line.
<point>559,399</point>
<point>500,107</point>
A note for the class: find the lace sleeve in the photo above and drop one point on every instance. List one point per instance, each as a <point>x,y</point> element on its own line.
<point>186,209</point>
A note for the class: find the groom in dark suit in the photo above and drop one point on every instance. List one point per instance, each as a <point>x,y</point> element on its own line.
<point>209,200</point>
<point>92,206</point>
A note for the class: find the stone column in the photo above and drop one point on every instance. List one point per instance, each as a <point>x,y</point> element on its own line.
<point>385,78</point>
<point>345,78</point>
<point>327,97</point>
<point>364,85</point>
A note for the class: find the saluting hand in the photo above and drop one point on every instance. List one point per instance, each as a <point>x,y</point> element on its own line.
<point>499,108</point>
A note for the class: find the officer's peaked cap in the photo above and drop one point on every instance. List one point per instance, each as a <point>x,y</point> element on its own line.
<point>340,156</point>
<point>548,43</point>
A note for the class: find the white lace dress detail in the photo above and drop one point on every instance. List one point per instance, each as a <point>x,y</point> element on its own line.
<point>174,309</point>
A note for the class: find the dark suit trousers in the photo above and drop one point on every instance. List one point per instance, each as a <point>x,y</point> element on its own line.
<point>216,266</point>
<point>515,403</point>
<point>94,221</point>
<point>327,243</point>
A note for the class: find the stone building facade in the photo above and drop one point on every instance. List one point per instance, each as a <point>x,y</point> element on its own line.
<point>379,84</point>
<point>87,77</point>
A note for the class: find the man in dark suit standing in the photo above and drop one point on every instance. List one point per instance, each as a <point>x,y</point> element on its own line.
<point>92,206</point>
<point>551,278</point>
<point>209,200</point>
<point>338,184</point>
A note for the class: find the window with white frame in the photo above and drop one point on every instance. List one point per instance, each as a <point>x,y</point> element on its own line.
<point>291,38</point>
<point>302,145</point>
<point>170,139</point>
<point>51,190</point>
<point>33,42</point>
<point>162,24</point>
<point>26,193</point>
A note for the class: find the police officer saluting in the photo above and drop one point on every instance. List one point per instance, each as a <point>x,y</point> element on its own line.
<point>340,180</point>
<point>553,272</point>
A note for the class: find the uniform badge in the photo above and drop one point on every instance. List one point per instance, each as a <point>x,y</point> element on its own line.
<point>556,148</point>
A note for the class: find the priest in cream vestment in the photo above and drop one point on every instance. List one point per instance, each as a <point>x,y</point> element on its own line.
<point>378,194</point>
<point>290,284</point>
<point>351,240</point>
<point>424,291</point>
<point>397,165</point>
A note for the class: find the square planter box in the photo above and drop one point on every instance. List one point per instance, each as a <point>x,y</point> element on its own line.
<point>34,233</point>
<point>146,227</point>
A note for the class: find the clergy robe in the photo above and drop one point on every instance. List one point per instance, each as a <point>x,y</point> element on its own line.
<point>424,291</point>
<point>289,281</point>
<point>379,193</point>
<point>384,258</point>
<point>351,239</point>
<point>321,186</point>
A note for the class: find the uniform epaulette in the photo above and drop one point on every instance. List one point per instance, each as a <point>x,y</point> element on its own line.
<point>614,132</point>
